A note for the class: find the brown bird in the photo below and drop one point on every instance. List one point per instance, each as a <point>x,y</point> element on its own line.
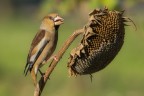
<point>43,44</point>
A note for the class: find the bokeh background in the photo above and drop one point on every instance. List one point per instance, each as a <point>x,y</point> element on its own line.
<point>19,22</point>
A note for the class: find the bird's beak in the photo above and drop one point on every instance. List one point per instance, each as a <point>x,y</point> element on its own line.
<point>58,20</point>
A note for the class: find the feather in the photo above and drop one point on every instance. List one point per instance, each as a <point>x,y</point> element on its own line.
<point>32,54</point>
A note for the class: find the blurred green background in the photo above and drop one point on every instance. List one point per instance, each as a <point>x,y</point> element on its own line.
<point>19,22</point>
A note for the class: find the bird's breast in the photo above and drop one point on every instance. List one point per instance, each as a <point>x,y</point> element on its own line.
<point>51,46</point>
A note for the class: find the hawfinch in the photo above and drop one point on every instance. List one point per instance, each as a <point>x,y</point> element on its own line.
<point>43,44</point>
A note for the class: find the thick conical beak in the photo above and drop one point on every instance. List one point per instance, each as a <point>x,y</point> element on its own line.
<point>58,20</point>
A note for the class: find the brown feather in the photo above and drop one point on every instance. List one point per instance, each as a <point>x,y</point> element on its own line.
<point>39,36</point>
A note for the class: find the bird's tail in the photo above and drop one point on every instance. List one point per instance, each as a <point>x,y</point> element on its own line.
<point>31,68</point>
<point>28,67</point>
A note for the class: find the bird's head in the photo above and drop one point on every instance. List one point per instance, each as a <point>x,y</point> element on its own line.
<point>52,20</point>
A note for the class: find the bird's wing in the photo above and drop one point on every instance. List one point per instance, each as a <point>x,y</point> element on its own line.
<point>37,46</point>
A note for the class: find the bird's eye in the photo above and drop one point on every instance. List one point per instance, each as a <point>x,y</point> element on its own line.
<point>51,18</point>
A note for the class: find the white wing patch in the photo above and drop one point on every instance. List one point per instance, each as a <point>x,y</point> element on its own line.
<point>33,57</point>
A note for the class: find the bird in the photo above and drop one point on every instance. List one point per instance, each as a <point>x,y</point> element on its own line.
<point>43,44</point>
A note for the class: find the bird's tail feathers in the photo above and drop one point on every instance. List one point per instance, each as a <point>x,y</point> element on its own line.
<point>28,67</point>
